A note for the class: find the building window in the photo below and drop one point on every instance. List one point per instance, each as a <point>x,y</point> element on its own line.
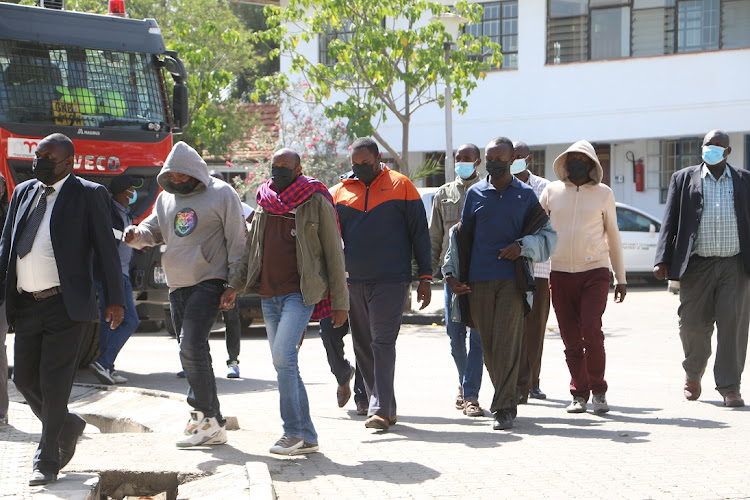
<point>500,24</point>
<point>537,166</point>
<point>676,155</point>
<point>344,34</point>
<point>585,30</point>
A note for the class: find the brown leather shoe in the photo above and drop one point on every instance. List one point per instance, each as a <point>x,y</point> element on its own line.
<point>377,422</point>
<point>344,392</point>
<point>692,389</point>
<point>733,399</point>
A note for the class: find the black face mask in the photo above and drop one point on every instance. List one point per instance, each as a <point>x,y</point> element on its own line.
<point>282,178</point>
<point>182,187</point>
<point>366,172</point>
<point>44,170</point>
<point>497,169</point>
<point>578,169</point>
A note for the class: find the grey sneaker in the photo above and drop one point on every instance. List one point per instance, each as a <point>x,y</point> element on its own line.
<point>101,373</point>
<point>306,448</point>
<point>287,445</point>
<point>119,379</point>
<point>600,403</point>
<point>233,369</point>
<point>577,406</point>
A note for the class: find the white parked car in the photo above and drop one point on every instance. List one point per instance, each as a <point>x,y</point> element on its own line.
<point>639,232</point>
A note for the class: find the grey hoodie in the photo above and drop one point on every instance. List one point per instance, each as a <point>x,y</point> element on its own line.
<point>204,230</point>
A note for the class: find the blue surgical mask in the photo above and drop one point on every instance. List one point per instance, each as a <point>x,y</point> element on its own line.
<point>464,169</point>
<point>518,166</point>
<point>713,154</point>
<point>134,198</point>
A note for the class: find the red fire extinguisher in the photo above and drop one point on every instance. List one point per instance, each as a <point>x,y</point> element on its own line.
<point>640,175</point>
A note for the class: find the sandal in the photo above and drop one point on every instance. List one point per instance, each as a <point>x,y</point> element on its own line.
<point>460,399</point>
<point>377,422</point>
<point>473,409</point>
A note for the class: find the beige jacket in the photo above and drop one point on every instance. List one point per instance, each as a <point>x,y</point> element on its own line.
<point>446,212</point>
<point>320,255</point>
<point>585,220</point>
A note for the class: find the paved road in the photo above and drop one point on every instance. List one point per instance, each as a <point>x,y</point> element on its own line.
<point>653,444</point>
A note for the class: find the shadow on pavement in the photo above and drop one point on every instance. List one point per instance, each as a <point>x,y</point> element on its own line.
<point>371,470</point>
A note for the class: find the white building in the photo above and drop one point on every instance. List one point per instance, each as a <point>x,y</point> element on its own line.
<point>639,78</point>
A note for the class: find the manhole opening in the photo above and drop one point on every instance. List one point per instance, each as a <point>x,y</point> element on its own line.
<point>120,485</point>
<point>119,425</point>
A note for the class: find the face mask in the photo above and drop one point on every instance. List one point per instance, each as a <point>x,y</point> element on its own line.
<point>134,198</point>
<point>44,170</point>
<point>182,187</point>
<point>282,178</point>
<point>464,169</point>
<point>518,166</point>
<point>366,173</point>
<point>577,169</point>
<point>713,154</point>
<point>497,169</point>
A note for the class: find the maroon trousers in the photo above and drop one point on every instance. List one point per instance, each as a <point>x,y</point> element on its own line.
<point>579,300</point>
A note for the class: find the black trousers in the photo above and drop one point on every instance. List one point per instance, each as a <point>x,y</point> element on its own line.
<point>46,358</point>
<point>333,341</point>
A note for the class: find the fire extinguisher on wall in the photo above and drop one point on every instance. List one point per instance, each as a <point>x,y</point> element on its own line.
<point>640,174</point>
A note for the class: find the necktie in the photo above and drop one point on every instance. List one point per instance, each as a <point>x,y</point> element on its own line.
<point>26,241</point>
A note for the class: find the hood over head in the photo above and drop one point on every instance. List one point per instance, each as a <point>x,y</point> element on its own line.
<point>582,146</point>
<point>184,160</point>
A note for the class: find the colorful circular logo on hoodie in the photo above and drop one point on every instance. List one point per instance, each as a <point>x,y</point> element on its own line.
<point>185,221</point>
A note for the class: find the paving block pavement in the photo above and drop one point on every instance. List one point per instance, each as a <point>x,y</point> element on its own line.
<point>653,444</point>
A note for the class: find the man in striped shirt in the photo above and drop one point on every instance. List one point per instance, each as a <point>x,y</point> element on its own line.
<point>535,322</point>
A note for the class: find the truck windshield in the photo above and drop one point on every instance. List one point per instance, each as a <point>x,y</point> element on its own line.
<point>65,85</point>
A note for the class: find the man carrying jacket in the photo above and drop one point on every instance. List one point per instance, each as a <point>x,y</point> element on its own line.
<point>582,211</point>
<point>704,243</point>
<point>200,220</point>
<point>446,212</point>
<point>295,262</point>
<point>507,230</point>
<point>383,223</point>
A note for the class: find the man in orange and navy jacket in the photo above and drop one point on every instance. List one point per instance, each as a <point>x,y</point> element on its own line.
<point>383,223</point>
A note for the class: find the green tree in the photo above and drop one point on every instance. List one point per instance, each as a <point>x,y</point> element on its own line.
<point>387,61</point>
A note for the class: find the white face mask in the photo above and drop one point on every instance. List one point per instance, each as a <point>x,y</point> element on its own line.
<point>518,166</point>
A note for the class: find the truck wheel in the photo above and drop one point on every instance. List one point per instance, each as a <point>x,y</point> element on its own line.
<point>89,351</point>
<point>246,324</point>
<point>168,322</point>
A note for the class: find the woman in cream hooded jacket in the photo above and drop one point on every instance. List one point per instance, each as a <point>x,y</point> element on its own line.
<point>584,218</point>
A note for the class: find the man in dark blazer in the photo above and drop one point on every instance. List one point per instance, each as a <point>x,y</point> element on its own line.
<point>705,244</point>
<point>57,224</point>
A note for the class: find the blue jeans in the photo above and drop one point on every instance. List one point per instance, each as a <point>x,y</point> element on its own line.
<point>469,366</point>
<point>194,310</point>
<point>286,318</point>
<point>111,341</point>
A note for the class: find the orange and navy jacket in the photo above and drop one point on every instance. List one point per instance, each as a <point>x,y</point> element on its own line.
<point>382,226</point>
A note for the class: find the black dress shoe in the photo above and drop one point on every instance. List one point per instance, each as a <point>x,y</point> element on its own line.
<point>69,439</point>
<point>39,478</point>
<point>536,393</point>
<point>503,421</point>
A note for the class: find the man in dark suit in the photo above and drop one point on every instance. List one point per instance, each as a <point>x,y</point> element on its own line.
<point>705,244</point>
<point>57,224</point>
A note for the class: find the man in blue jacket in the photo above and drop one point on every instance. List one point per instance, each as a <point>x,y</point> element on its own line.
<point>704,243</point>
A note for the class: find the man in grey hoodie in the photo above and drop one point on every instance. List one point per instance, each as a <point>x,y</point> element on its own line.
<point>200,220</point>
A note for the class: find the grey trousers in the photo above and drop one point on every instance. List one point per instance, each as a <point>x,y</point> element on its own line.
<point>375,313</point>
<point>715,291</point>
<point>497,310</point>
<point>3,363</point>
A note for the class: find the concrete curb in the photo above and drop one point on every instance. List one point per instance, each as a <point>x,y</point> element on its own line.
<point>259,479</point>
<point>423,319</point>
<point>70,486</point>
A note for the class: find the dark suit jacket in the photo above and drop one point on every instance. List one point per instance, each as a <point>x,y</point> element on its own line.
<point>81,231</point>
<point>682,217</point>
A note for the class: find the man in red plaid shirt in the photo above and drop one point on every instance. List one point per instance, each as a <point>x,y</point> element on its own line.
<point>295,261</point>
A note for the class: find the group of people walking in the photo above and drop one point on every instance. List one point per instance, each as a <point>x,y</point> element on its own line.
<point>505,245</point>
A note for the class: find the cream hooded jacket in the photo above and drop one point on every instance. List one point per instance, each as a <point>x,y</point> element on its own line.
<point>584,218</point>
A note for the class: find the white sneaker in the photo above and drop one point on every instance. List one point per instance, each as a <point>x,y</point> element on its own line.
<point>287,445</point>
<point>220,438</point>
<point>233,369</point>
<point>600,403</point>
<point>577,406</point>
<point>306,448</point>
<point>118,379</point>
<point>199,430</point>
<point>101,373</point>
